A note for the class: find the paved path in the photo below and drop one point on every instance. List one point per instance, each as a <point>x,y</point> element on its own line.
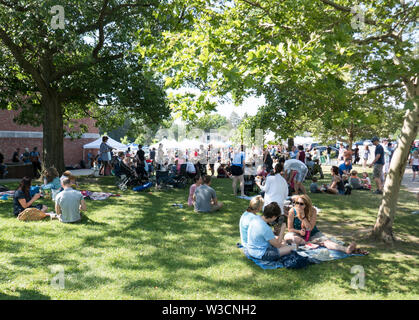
<point>412,186</point>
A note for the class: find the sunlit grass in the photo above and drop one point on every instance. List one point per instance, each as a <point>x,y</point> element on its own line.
<point>138,246</point>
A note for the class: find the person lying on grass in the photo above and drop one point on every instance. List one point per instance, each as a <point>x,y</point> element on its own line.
<point>205,197</point>
<point>261,241</point>
<point>69,203</point>
<point>302,219</point>
<point>255,206</point>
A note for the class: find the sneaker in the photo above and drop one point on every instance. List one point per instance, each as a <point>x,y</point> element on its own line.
<point>378,192</point>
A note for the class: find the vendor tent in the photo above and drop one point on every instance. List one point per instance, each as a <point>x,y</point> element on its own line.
<point>96,144</point>
<point>167,144</point>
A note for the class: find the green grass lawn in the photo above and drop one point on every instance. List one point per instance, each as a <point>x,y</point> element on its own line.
<point>138,246</point>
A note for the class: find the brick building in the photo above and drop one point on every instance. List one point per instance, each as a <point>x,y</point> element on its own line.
<point>14,136</point>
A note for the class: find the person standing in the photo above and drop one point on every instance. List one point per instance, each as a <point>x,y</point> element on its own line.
<point>378,164</point>
<point>276,187</point>
<point>15,156</point>
<point>237,169</point>
<point>366,156</point>
<point>105,154</point>
<point>328,152</point>
<point>356,154</point>
<point>36,164</point>
<point>267,160</point>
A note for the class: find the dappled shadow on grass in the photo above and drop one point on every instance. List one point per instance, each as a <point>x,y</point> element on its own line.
<point>160,251</point>
<point>24,294</point>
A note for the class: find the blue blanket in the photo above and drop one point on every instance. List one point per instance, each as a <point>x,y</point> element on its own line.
<point>296,260</point>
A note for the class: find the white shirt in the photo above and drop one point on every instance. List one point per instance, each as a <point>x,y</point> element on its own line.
<point>190,168</point>
<point>276,190</point>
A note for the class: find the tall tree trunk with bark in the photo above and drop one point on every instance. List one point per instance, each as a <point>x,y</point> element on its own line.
<point>290,143</point>
<point>53,132</point>
<point>383,229</point>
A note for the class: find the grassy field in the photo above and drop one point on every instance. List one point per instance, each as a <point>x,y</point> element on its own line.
<point>138,246</point>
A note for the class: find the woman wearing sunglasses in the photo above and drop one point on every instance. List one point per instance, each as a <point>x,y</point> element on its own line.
<point>302,227</point>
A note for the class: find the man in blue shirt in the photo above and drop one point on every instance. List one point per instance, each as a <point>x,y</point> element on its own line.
<point>345,168</point>
<point>378,164</point>
<point>261,241</point>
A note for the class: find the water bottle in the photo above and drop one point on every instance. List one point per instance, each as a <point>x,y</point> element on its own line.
<point>307,235</point>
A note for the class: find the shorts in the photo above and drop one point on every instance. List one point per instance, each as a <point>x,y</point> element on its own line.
<point>415,168</point>
<point>271,254</point>
<point>378,171</point>
<point>236,171</point>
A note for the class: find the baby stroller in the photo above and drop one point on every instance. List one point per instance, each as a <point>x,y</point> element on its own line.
<point>189,177</point>
<point>126,176</point>
<point>166,180</point>
<point>249,184</point>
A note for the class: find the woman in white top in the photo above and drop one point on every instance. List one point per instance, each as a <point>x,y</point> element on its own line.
<point>276,188</point>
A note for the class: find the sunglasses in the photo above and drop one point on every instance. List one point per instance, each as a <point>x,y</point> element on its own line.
<point>300,203</point>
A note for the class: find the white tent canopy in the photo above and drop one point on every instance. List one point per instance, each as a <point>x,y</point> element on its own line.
<point>96,144</point>
<point>167,144</point>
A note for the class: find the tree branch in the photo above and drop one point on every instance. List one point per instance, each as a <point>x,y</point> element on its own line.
<point>346,9</point>
<point>382,86</point>
<point>18,54</point>
<point>101,32</point>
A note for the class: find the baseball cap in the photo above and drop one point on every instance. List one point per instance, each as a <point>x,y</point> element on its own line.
<point>375,139</point>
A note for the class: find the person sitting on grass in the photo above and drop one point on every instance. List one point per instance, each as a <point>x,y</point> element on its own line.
<point>337,186</point>
<point>345,167</point>
<point>302,219</point>
<point>51,181</point>
<point>261,241</point>
<point>255,206</point>
<point>69,203</point>
<point>355,182</point>
<point>222,172</point>
<point>314,188</point>
<point>198,182</point>
<point>22,199</point>
<point>67,174</point>
<point>205,197</point>
<point>366,181</point>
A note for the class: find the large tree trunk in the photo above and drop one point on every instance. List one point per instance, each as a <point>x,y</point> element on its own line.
<point>290,143</point>
<point>53,130</point>
<point>383,229</point>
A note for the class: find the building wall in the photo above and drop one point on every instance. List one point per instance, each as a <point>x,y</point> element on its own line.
<point>14,136</point>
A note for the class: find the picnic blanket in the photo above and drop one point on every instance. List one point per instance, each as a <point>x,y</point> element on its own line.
<point>300,258</point>
<point>98,195</point>
<point>6,195</point>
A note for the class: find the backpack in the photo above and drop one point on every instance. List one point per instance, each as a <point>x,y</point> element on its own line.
<point>348,189</point>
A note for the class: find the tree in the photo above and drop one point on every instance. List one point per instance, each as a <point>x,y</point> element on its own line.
<point>210,121</point>
<point>307,58</point>
<point>87,68</point>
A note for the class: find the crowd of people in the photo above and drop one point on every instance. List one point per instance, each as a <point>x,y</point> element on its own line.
<point>30,157</point>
